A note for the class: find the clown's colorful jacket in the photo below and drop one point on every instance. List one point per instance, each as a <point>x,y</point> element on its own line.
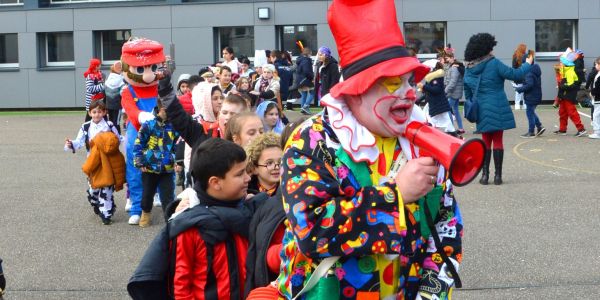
<point>155,146</point>
<point>384,246</point>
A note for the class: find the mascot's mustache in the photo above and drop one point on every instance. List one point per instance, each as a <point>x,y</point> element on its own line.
<point>136,78</point>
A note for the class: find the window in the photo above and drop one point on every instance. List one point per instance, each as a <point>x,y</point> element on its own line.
<point>108,44</point>
<point>290,34</point>
<point>425,37</point>
<point>554,36</point>
<point>56,49</point>
<point>241,39</point>
<point>9,52</point>
<point>11,2</point>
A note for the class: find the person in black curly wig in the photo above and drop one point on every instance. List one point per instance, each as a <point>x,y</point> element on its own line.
<point>494,114</point>
<point>479,45</point>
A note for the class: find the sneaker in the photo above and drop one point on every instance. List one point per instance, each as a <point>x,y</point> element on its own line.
<point>134,220</point>
<point>304,111</point>
<point>156,202</point>
<point>580,133</point>
<point>461,131</point>
<point>106,221</point>
<point>528,135</point>
<point>128,205</point>
<point>146,219</point>
<point>559,132</point>
<point>540,131</point>
<point>594,136</point>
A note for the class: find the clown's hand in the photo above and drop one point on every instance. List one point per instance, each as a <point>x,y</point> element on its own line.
<point>164,84</point>
<point>144,117</point>
<point>416,178</point>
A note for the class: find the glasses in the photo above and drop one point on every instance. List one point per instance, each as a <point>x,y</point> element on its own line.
<point>271,165</point>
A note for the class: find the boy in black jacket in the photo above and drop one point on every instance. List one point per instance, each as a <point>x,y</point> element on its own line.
<point>211,235</point>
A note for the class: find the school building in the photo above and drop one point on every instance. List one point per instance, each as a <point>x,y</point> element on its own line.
<point>45,45</point>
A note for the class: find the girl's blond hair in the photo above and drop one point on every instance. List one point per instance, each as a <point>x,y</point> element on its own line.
<point>260,143</point>
<point>234,125</point>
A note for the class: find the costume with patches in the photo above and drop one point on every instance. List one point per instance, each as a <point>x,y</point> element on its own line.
<point>140,58</point>
<point>338,196</point>
<point>363,223</point>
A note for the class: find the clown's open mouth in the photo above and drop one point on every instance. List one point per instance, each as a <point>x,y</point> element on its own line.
<point>399,113</point>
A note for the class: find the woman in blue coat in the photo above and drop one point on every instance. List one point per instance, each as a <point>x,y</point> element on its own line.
<point>484,77</point>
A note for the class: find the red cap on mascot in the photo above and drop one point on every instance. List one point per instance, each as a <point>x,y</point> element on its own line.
<point>370,44</point>
<point>142,52</point>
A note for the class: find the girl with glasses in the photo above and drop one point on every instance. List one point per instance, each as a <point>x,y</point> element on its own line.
<point>264,163</point>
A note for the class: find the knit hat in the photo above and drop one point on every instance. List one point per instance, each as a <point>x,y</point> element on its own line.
<point>325,51</point>
<point>183,78</point>
<point>568,57</point>
<point>268,67</point>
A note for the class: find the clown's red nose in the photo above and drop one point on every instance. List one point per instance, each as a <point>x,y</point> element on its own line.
<point>411,95</point>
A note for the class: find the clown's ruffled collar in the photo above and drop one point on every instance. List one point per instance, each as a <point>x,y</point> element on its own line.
<point>354,138</point>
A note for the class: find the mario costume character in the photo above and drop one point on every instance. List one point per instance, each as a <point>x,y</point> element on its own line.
<point>356,229</point>
<point>141,59</point>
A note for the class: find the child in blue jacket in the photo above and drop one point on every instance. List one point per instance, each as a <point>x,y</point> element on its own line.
<point>154,154</point>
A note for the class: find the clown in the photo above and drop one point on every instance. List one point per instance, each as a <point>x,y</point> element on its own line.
<point>141,59</point>
<point>356,228</point>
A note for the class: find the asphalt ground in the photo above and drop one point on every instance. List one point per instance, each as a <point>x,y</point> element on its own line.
<point>534,237</point>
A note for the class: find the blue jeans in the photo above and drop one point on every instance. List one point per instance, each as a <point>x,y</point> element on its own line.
<point>532,118</point>
<point>454,106</point>
<point>306,98</point>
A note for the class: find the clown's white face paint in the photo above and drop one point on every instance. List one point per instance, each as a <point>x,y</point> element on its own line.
<point>385,108</point>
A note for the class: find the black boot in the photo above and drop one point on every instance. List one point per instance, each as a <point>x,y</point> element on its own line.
<point>2,280</point>
<point>498,158</point>
<point>485,171</point>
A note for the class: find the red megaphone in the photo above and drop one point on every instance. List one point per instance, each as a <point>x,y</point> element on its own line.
<point>462,159</point>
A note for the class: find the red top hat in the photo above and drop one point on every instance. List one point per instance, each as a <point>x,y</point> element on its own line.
<point>142,52</point>
<point>370,44</point>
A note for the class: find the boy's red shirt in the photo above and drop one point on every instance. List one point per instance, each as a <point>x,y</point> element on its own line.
<point>192,271</point>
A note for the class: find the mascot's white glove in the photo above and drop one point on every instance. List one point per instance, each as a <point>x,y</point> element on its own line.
<point>144,117</point>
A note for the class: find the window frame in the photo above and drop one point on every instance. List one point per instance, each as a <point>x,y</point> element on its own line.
<point>98,36</point>
<point>279,40</point>
<point>423,56</point>
<point>218,47</point>
<point>43,52</point>
<point>19,3</point>
<point>554,55</point>
<point>11,65</point>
